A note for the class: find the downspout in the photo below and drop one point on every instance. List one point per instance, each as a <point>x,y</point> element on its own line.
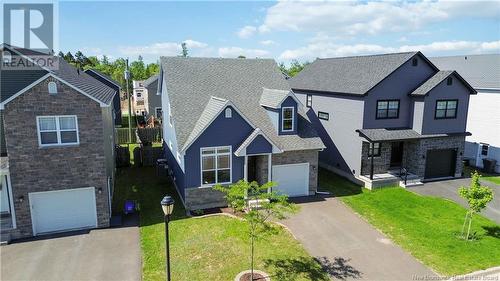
<point>371,160</point>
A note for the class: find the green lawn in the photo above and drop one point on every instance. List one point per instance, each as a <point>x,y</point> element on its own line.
<point>426,227</point>
<point>494,178</point>
<point>213,248</point>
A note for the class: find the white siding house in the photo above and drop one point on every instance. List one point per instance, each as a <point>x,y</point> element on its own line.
<point>483,121</point>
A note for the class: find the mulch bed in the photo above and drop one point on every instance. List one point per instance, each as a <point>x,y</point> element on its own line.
<point>210,211</point>
<point>248,277</point>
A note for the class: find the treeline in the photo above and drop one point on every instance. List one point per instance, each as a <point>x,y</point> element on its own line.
<point>114,69</point>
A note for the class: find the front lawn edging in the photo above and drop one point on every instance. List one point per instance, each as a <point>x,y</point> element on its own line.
<point>262,273</point>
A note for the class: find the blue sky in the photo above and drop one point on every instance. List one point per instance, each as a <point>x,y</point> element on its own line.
<point>281,30</point>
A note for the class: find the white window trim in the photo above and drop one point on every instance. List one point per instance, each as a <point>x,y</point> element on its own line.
<point>309,98</point>
<point>230,153</point>
<point>58,131</point>
<point>283,118</point>
<point>52,88</point>
<point>228,112</point>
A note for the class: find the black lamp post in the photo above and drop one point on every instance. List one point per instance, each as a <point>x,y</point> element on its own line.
<point>167,204</point>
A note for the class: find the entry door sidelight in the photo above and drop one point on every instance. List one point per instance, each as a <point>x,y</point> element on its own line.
<point>397,154</point>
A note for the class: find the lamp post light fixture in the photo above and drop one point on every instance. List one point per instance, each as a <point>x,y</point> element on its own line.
<point>167,205</point>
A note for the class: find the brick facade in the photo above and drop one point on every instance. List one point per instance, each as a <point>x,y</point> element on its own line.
<point>414,153</point>
<point>35,169</point>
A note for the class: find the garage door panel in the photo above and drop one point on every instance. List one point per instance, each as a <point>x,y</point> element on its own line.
<point>63,210</point>
<point>440,163</point>
<point>292,180</point>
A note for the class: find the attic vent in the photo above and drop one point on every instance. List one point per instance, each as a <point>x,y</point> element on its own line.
<point>52,88</point>
<point>449,81</point>
<point>228,113</point>
<point>6,57</point>
<point>414,62</point>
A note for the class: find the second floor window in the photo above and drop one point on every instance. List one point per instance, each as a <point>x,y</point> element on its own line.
<point>57,130</point>
<point>309,100</point>
<point>446,109</point>
<point>387,109</point>
<point>287,119</point>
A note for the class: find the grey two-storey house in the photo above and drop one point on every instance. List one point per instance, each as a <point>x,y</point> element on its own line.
<point>387,117</point>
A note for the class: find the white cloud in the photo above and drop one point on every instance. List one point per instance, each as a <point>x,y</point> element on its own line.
<point>247,31</point>
<point>350,18</point>
<point>162,48</point>
<point>233,52</point>
<point>328,48</point>
<point>192,44</point>
<point>267,42</point>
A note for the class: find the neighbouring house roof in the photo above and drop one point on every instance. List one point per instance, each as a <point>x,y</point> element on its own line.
<point>150,80</point>
<point>378,135</point>
<point>481,71</point>
<point>437,78</point>
<point>193,82</point>
<point>350,75</point>
<point>111,80</point>
<point>12,81</point>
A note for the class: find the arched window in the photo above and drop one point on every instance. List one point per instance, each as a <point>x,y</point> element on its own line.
<point>228,113</point>
<point>52,88</point>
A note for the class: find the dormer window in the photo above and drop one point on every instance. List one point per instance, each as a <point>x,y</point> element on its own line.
<point>287,122</point>
<point>52,87</point>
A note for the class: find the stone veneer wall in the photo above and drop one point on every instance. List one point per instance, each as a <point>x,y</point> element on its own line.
<point>415,152</point>
<point>35,169</point>
<point>198,198</point>
<point>262,170</point>
<point>301,156</point>
<point>381,164</point>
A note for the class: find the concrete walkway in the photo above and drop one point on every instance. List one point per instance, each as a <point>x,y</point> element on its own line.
<point>348,247</point>
<point>100,254</point>
<point>449,189</point>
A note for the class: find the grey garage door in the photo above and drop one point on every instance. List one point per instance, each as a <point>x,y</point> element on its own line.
<point>440,163</point>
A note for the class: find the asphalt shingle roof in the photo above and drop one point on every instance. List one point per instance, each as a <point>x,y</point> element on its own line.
<point>192,82</point>
<point>104,76</point>
<point>273,98</point>
<point>377,135</point>
<point>352,75</point>
<point>15,80</point>
<point>481,71</point>
<point>432,82</point>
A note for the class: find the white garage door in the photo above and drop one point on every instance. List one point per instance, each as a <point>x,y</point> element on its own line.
<point>292,179</point>
<point>63,210</point>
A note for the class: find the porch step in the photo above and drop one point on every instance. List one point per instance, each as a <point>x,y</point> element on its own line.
<point>411,182</point>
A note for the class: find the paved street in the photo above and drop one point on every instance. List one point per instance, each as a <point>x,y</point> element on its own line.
<point>348,247</point>
<point>101,254</point>
<point>449,189</point>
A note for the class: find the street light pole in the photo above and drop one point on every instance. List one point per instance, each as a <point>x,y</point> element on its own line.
<point>167,205</point>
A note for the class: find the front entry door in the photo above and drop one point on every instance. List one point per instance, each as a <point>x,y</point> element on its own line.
<point>396,154</point>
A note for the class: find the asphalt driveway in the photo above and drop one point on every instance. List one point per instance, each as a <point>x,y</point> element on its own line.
<point>348,247</point>
<point>100,254</point>
<point>449,189</point>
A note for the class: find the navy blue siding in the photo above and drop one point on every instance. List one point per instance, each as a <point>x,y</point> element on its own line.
<point>222,132</point>
<point>456,91</point>
<point>397,86</point>
<point>288,102</point>
<point>259,146</point>
<point>116,100</point>
<point>177,170</point>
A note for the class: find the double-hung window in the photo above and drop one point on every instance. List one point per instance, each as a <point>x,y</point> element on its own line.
<point>57,130</point>
<point>215,165</point>
<point>387,109</point>
<point>446,109</point>
<point>287,119</point>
